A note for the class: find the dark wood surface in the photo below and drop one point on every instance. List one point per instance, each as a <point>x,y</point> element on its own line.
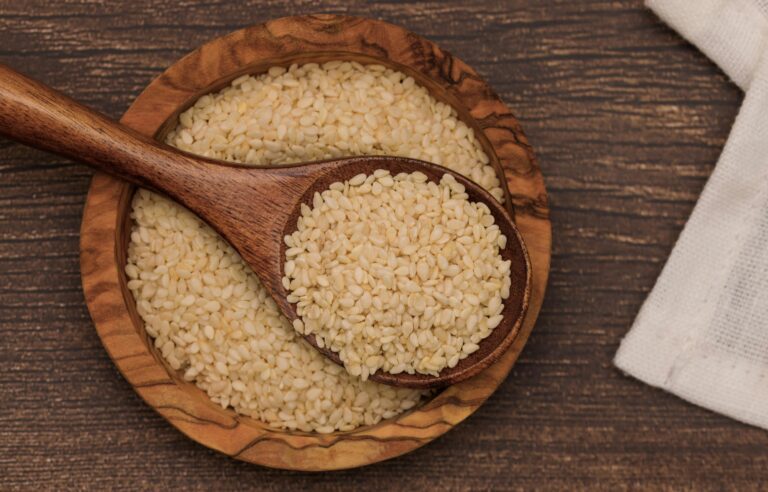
<point>628,121</point>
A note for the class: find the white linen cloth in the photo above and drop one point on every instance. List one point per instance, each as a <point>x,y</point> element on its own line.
<point>702,334</point>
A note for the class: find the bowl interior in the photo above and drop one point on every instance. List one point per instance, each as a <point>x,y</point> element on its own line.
<point>515,249</point>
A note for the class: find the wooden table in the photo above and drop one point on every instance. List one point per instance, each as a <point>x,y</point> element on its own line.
<point>628,121</point>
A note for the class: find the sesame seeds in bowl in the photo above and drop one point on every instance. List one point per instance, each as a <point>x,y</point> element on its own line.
<point>208,314</point>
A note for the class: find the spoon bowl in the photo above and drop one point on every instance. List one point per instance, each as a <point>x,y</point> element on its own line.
<point>251,207</point>
<point>490,348</point>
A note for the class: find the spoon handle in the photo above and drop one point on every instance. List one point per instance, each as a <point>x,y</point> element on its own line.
<point>41,117</point>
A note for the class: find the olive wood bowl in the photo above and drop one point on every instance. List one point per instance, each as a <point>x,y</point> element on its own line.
<point>282,42</point>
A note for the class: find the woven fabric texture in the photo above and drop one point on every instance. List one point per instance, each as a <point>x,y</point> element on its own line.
<point>702,334</point>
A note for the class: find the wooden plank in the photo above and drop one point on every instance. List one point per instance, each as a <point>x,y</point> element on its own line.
<point>628,121</point>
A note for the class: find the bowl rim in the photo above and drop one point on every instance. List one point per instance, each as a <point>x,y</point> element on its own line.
<point>276,42</point>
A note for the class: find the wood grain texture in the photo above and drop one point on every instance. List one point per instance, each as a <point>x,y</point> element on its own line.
<point>105,224</point>
<point>628,121</point>
<point>255,207</point>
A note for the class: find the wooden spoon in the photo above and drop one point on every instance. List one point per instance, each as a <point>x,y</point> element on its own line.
<point>251,207</point>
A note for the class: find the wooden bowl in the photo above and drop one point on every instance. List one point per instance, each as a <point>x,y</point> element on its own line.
<point>316,38</point>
